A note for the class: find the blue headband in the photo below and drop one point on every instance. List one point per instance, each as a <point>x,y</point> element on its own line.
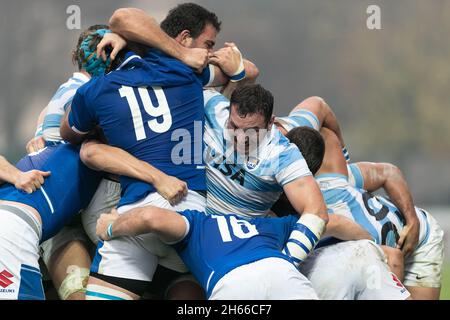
<point>93,65</point>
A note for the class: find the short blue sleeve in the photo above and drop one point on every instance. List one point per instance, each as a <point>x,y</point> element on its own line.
<point>207,75</point>
<point>190,217</point>
<point>81,117</point>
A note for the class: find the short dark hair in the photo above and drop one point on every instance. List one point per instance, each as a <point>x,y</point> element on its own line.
<point>311,145</point>
<point>191,17</point>
<point>251,99</point>
<point>77,53</point>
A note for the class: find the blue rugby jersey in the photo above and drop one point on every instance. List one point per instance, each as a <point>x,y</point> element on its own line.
<point>216,244</point>
<point>65,192</point>
<point>152,107</point>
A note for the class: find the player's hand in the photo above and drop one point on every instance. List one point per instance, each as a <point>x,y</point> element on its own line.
<point>196,58</point>
<point>228,59</point>
<point>171,188</point>
<point>103,222</point>
<point>35,144</point>
<point>112,40</point>
<point>30,181</point>
<point>409,237</point>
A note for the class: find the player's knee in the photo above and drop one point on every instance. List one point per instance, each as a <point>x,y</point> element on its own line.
<point>73,287</point>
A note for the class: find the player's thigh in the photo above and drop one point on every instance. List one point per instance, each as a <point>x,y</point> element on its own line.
<point>20,277</point>
<point>52,248</point>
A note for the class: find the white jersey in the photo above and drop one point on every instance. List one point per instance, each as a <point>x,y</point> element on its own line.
<point>58,105</point>
<point>249,187</point>
<point>380,217</point>
<point>299,118</point>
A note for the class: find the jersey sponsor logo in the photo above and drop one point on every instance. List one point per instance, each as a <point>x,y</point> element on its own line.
<point>5,281</point>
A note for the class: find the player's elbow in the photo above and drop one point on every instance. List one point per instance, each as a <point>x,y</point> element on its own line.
<point>88,154</point>
<point>251,71</point>
<point>119,19</point>
<point>122,17</point>
<point>390,171</point>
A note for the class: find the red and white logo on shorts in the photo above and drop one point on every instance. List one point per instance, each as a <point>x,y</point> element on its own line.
<point>5,281</point>
<point>397,281</point>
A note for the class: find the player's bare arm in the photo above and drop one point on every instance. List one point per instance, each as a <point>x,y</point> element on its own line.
<point>345,229</point>
<point>102,157</point>
<point>390,178</point>
<point>167,224</point>
<point>327,119</point>
<point>305,196</point>
<point>136,25</point>
<point>68,134</point>
<point>28,181</point>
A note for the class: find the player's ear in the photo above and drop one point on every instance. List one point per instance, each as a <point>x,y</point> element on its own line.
<point>184,38</point>
<point>271,122</point>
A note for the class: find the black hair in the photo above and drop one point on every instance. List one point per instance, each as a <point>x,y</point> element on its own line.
<point>251,99</point>
<point>191,17</point>
<point>311,145</point>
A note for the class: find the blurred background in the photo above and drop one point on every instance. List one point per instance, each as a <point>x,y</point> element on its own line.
<point>389,88</point>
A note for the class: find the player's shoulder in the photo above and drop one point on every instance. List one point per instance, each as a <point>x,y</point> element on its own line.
<point>210,94</point>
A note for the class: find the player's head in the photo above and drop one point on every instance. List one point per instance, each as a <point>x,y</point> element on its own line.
<point>311,144</point>
<point>84,55</point>
<point>250,117</point>
<point>192,26</point>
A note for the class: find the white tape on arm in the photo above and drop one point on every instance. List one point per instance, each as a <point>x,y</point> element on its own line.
<point>240,72</point>
<point>304,237</point>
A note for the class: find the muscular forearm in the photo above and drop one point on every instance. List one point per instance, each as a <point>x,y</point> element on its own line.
<point>345,229</point>
<point>132,223</point>
<point>102,157</point>
<point>398,191</point>
<point>136,25</point>
<point>330,121</point>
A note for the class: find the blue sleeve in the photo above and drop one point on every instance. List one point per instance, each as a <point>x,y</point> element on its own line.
<point>189,216</point>
<point>207,75</point>
<point>81,117</point>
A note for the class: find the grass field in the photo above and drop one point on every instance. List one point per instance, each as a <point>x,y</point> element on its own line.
<point>445,291</point>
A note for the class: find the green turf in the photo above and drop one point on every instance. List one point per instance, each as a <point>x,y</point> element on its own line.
<point>445,291</point>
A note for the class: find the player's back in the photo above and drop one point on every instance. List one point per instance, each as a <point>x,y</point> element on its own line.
<point>151,107</point>
<point>216,244</point>
<point>376,214</point>
<point>65,192</point>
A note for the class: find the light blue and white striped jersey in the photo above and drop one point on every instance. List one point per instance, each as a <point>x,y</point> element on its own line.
<point>58,105</point>
<point>379,216</point>
<point>249,187</point>
<point>299,118</point>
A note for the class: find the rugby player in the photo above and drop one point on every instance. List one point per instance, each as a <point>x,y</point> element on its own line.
<point>349,193</point>
<point>28,219</point>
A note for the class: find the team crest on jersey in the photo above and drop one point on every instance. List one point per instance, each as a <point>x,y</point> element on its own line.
<point>252,163</point>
